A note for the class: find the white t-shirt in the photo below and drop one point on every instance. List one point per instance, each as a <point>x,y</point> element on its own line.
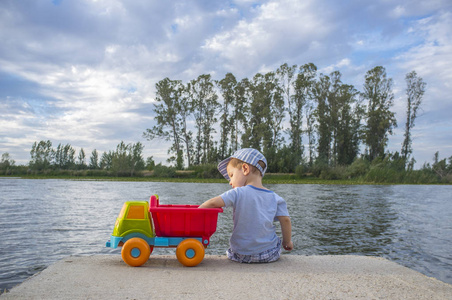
<point>255,210</point>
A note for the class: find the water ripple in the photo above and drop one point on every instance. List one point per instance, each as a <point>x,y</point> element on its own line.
<point>42,221</point>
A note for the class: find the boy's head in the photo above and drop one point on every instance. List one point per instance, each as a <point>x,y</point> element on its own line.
<point>250,156</point>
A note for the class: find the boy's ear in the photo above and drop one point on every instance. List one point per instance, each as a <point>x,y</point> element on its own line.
<point>246,169</point>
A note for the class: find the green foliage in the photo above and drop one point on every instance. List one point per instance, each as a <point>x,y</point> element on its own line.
<point>127,159</point>
<point>358,168</point>
<point>300,171</point>
<point>94,160</point>
<point>334,173</point>
<point>164,171</point>
<point>318,167</point>
<point>441,168</point>
<point>298,93</point>
<point>380,119</point>
<point>150,163</point>
<point>286,160</point>
<point>204,103</point>
<point>106,160</point>
<point>206,171</point>
<point>227,88</point>
<point>6,164</point>
<point>415,91</point>
<point>64,157</point>
<point>254,113</point>
<point>42,155</point>
<point>382,175</point>
<point>82,159</point>
<point>97,173</point>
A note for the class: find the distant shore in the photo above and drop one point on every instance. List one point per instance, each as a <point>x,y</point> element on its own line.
<point>271,178</point>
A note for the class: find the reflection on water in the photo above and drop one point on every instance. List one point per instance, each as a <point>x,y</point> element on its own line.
<point>342,222</point>
<point>42,221</point>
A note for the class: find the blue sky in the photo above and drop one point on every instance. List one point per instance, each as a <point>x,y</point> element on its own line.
<point>84,72</point>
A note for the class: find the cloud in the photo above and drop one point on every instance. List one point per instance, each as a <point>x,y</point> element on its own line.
<point>274,32</point>
<point>75,72</point>
<point>431,58</point>
<point>84,72</point>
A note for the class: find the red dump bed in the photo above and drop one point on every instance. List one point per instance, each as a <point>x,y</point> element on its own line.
<point>183,220</point>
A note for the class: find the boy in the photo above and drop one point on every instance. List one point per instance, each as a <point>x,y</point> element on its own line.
<point>253,238</point>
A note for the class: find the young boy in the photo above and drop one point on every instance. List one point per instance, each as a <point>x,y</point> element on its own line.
<point>253,238</point>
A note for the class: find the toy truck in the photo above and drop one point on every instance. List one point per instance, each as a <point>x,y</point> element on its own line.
<point>184,227</point>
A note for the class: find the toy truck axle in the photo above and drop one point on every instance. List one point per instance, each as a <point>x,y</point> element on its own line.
<point>184,227</point>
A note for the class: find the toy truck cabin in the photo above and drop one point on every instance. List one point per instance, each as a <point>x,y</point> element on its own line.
<point>141,227</point>
<point>134,220</point>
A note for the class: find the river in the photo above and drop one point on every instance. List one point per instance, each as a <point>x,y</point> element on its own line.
<point>42,221</point>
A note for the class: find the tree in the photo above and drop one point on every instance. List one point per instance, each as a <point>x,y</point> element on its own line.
<point>303,86</point>
<point>291,156</point>
<point>344,120</point>
<point>137,160</point>
<point>121,161</point>
<point>275,120</point>
<point>59,157</point>
<point>240,109</point>
<point>81,159</point>
<point>106,160</point>
<point>321,94</point>
<point>415,91</point>
<point>42,155</point>
<point>334,106</point>
<point>205,105</point>
<point>310,130</point>
<point>440,167</point>
<point>257,109</point>
<point>126,160</point>
<point>150,163</point>
<point>347,134</point>
<point>266,112</point>
<point>380,120</point>
<point>6,163</point>
<point>94,160</point>
<point>168,96</point>
<point>185,110</point>
<point>227,87</point>
<point>64,157</point>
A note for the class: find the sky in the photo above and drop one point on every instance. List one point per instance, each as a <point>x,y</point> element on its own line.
<point>83,72</point>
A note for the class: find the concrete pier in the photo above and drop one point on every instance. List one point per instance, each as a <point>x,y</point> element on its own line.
<point>292,277</point>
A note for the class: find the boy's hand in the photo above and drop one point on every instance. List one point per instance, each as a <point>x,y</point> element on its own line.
<point>213,203</point>
<point>286,230</point>
<point>288,246</point>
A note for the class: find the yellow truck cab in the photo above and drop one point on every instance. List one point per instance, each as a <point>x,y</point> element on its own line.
<point>134,218</point>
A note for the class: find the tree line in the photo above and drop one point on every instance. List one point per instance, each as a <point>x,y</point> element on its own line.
<point>294,115</point>
<point>126,160</point>
<point>304,122</point>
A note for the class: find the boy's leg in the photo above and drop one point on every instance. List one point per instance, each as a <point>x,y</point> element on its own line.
<point>270,255</point>
<point>238,257</point>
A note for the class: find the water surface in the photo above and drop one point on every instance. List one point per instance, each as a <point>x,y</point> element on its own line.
<point>42,221</point>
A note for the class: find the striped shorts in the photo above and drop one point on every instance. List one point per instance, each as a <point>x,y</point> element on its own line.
<point>270,255</point>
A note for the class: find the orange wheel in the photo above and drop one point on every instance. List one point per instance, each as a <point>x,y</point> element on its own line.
<point>135,252</point>
<point>190,252</point>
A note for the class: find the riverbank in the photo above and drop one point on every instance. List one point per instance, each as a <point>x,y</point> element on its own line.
<point>268,179</point>
<point>292,277</point>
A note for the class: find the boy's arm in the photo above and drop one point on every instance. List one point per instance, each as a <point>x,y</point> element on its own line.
<point>286,229</point>
<point>213,203</point>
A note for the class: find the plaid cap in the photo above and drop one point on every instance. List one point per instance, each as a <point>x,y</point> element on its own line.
<point>248,155</point>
